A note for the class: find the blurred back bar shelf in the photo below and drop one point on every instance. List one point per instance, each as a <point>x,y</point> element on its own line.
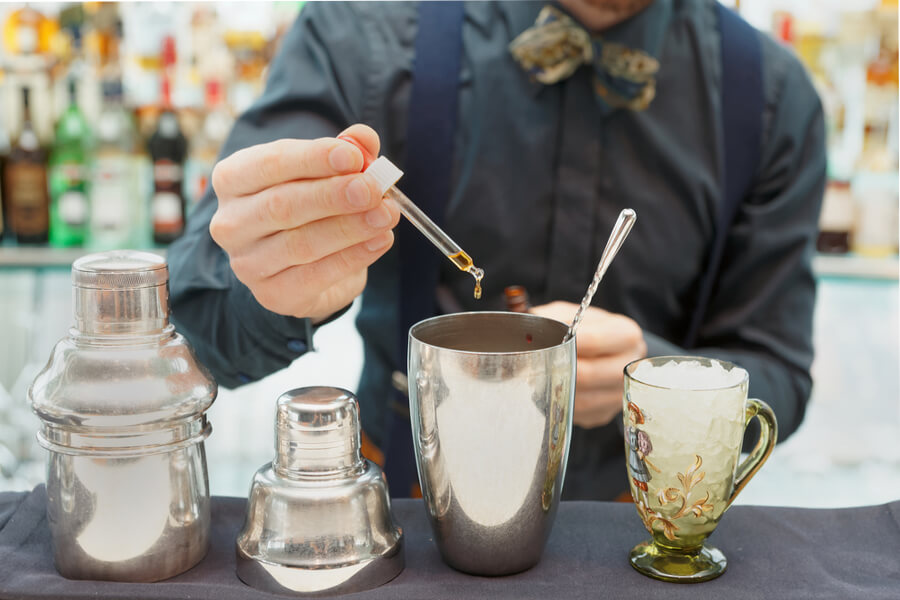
<point>38,257</point>
<point>850,265</point>
<point>824,265</point>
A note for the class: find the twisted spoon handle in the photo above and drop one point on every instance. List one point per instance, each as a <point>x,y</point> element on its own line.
<point>619,232</point>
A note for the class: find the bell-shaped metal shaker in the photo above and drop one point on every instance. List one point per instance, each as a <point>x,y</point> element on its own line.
<point>122,403</point>
<point>319,516</point>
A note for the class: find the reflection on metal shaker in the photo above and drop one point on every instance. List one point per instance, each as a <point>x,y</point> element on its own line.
<point>122,403</point>
<point>491,408</point>
<point>319,518</point>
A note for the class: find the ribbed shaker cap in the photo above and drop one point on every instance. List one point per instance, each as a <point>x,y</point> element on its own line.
<point>119,270</point>
<point>120,292</point>
<point>317,433</point>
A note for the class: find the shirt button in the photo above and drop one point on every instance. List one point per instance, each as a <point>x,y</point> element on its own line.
<point>244,378</point>
<point>297,346</point>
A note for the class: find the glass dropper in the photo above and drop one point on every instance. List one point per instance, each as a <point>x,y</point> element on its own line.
<point>387,174</point>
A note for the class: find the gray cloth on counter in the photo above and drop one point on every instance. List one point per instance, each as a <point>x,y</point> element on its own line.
<point>540,175</point>
<point>820,554</point>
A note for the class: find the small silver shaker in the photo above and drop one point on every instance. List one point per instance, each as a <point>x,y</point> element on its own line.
<point>122,402</point>
<point>319,517</point>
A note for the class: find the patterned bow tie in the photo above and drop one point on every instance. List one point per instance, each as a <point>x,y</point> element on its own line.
<point>556,46</point>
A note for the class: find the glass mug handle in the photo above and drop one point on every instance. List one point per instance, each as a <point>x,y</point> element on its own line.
<point>768,434</point>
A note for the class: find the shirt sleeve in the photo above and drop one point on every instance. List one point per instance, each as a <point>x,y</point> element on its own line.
<point>317,86</point>
<point>760,313</point>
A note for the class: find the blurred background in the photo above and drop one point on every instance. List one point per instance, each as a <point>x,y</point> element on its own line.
<point>111,117</point>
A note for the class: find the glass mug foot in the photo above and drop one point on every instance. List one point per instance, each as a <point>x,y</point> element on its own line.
<point>678,566</point>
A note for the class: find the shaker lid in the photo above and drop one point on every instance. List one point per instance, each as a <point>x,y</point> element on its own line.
<point>120,269</point>
<point>319,518</point>
<point>317,432</point>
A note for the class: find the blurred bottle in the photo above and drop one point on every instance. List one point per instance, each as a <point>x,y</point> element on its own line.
<point>27,32</point>
<point>205,147</point>
<point>102,30</point>
<point>26,184</point>
<point>247,30</point>
<point>875,230</point>
<point>117,207</point>
<point>4,155</point>
<point>837,219</point>
<point>168,150</point>
<point>69,163</point>
<point>516,299</point>
<point>879,151</point>
<point>783,27</point>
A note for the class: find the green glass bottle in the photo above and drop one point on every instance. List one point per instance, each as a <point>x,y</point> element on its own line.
<point>69,161</point>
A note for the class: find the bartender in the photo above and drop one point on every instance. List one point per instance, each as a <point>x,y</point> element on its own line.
<point>564,114</point>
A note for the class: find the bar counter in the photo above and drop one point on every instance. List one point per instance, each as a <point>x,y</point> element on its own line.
<point>772,553</point>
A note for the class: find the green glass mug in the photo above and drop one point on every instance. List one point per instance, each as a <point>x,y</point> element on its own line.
<point>685,418</point>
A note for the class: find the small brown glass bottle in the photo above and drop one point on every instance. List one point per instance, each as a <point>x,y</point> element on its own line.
<point>516,299</point>
<point>28,204</point>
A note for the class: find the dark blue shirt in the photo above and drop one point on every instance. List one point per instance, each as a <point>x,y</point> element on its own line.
<point>540,174</point>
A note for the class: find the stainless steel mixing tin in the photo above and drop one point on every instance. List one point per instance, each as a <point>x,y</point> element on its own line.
<point>491,398</point>
<point>122,402</point>
<point>319,517</point>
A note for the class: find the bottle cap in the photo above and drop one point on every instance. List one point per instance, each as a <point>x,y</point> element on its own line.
<point>385,173</point>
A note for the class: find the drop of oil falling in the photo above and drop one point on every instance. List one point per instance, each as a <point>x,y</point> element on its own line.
<point>478,274</point>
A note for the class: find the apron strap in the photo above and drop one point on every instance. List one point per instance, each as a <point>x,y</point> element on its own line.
<point>428,166</point>
<point>742,109</point>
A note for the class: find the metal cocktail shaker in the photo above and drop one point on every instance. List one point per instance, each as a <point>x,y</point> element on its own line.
<point>490,398</point>
<point>122,403</point>
<point>319,517</point>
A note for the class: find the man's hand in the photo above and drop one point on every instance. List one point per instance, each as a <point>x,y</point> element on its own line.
<point>300,223</point>
<point>606,342</point>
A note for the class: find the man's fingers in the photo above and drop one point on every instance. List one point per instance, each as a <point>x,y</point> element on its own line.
<point>326,272</point>
<point>240,221</point>
<point>596,408</point>
<point>315,241</point>
<point>603,372</point>
<point>366,136</point>
<point>256,168</point>
<point>609,334</point>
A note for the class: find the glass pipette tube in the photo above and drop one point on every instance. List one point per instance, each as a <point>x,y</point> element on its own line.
<point>436,236</point>
<point>387,174</point>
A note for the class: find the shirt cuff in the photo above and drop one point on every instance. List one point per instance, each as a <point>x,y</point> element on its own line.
<point>282,336</point>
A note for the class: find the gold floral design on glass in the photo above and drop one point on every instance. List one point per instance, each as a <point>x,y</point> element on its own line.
<point>671,495</point>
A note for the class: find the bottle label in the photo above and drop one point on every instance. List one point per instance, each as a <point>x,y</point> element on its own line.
<point>167,216</point>
<point>72,173</point>
<point>28,205</point>
<point>109,196</point>
<point>67,188</point>
<point>166,173</point>
<point>73,208</point>
<point>167,206</point>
